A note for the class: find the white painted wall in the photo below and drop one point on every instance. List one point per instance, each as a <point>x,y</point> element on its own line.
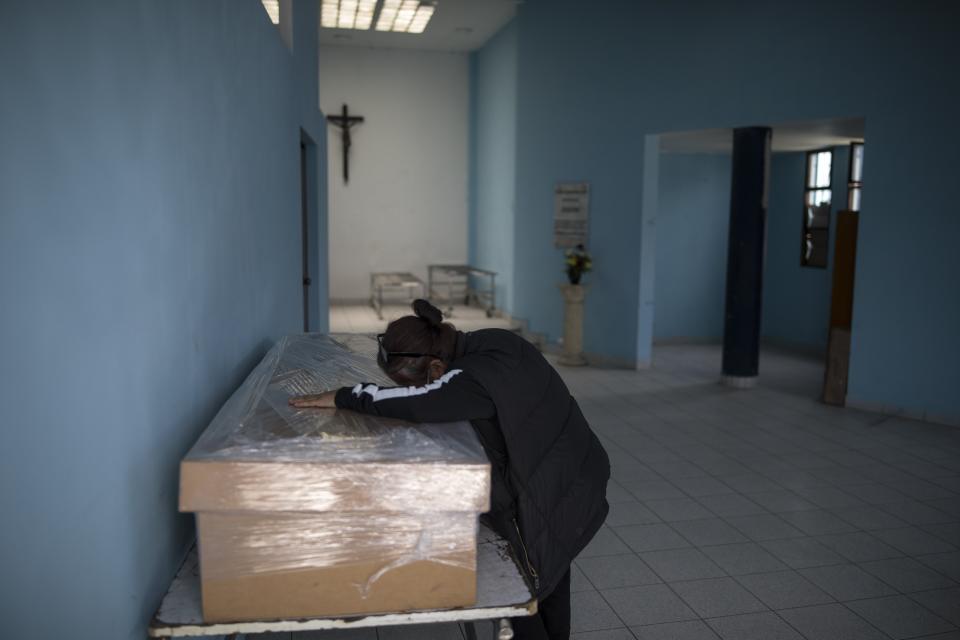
<point>406,203</point>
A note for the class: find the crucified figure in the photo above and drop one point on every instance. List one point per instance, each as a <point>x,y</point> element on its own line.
<point>345,121</point>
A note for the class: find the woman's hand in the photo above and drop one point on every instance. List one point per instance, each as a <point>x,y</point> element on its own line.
<point>315,401</point>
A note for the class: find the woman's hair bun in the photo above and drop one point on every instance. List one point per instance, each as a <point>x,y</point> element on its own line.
<point>428,312</point>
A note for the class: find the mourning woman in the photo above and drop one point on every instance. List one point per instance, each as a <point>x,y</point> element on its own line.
<point>549,470</point>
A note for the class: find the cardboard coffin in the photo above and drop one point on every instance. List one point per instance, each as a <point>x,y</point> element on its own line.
<point>305,513</point>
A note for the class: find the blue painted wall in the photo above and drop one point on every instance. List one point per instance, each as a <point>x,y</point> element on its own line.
<point>592,84</point>
<point>796,299</point>
<point>493,119</point>
<point>149,254</point>
<point>691,246</point>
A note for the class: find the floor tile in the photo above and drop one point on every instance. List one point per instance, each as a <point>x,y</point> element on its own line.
<point>713,531</point>
<point>874,493</point>
<point>651,537</point>
<point>631,472</point>
<point>607,634</point>
<point>739,559</point>
<point>627,513</point>
<point>913,541</point>
<point>682,564</point>
<point>754,626</point>
<point>830,498</point>
<point>869,518</point>
<point>717,597</point>
<point>673,470</point>
<point>782,501</point>
<point>653,490</point>
<point>948,532</point>
<point>906,574</point>
<point>900,617</point>
<point>750,483</point>
<point>809,461</point>
<point>932,493</point>
<point>784,589</point>
<point>689,630</point>
<point>605,543</point>
<point>702,486</point>
<point>617,494</point>
<point>678,509</point>
<point>765,527</point>
<point>946,563</point>
<point>589,611</point>
<point>578,579</point>
<point>817,522</point>
<point>830,622</point>
<point>795,479</point>
<point>799,553</point>
<point>916,513</point>
<point>731,505</point>
<point>645,605</point>
<point>943,602</point>
<point>608,572</point>
<point>950,506</point>
<point>847,582</point>
<point>859,546</point>
<point>449,631</point>
<point>841,476</point>
<point>484,629</point>
<point>723,466</point>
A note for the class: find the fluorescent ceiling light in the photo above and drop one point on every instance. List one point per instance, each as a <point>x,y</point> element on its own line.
<point>348,14</point>
<point>273,10</point>
<point>403,16</point>
<point>421,18</point>
<point>365,14</point>
<point>388,13</point>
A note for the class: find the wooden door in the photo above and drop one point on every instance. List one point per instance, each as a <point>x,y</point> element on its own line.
<point>841,309</point>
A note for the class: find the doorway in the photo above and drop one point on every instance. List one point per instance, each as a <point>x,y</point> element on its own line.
<point>309,230</point>
<point>683,250</point>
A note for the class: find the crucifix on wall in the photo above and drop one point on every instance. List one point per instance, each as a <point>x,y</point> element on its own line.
<point>345,121</point>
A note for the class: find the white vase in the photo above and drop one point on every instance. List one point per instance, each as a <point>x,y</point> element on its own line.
<point>573,295</point>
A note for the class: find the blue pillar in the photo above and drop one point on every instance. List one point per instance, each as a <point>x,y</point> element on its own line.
<point>745,254</point>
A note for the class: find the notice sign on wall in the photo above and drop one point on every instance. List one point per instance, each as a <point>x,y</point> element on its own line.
<point>571,204</point>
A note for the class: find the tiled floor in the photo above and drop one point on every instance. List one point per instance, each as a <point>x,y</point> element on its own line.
<point>760,514</point>
<point>361,318</point>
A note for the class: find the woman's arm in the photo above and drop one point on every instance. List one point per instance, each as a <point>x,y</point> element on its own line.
<point>315,401</point>
<point>455,396</point>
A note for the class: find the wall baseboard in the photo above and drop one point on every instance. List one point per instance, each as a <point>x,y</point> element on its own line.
<point>609,362</point>
<point>682,340</point>
<point>798,348</point>
<point>899,412</point>
<point>349,302</point>
<point>770,343</point>
<point>554,348</point>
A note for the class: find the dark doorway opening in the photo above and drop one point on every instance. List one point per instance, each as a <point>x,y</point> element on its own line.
<point>308,230</point>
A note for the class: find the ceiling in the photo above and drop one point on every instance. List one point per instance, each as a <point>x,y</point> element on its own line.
<point>457,25</point>
<point>792,136</point>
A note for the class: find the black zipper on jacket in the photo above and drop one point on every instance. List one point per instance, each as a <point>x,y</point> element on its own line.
<point>526,557</point>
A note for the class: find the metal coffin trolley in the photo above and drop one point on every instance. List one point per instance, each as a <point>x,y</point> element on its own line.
<point>451,284</point>
<point>391,283</point>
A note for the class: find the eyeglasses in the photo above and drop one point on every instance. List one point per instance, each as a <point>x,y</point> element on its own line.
<point>386,355</point>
